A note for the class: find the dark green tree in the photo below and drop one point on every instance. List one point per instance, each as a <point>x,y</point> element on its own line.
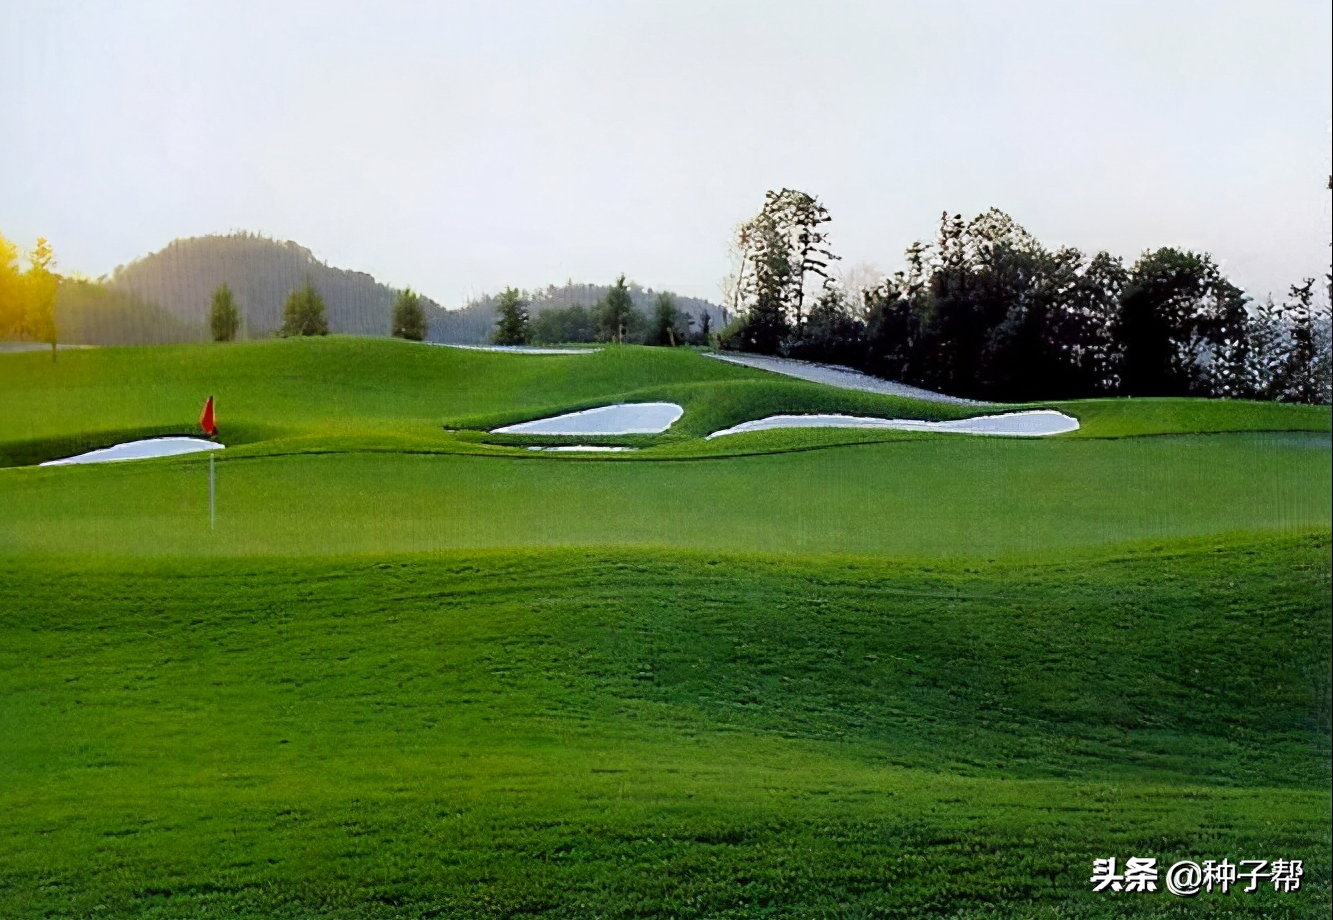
<point>224,316</point>
<point>667,321</point>
<point>1176,314</point>
<point>513,326</point>
<point>304,313</point>
<point>615,312</point>
<point>409,319</point>
<point>830,334</point>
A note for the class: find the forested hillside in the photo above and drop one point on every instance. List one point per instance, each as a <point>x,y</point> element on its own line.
<point>261,272</point>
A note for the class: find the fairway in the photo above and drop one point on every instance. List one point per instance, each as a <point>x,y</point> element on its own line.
<point>936,495</point>
<point>416,669</point>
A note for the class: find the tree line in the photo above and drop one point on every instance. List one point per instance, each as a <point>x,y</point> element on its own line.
<point>614,318</point>
<point>988,312</point>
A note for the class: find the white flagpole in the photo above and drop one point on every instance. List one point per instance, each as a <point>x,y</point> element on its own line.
<point>210,492</point>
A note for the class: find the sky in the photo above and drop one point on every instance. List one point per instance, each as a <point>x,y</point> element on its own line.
<point>461,147</point>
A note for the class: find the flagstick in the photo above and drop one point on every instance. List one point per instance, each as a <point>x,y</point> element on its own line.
<point>210,492</point>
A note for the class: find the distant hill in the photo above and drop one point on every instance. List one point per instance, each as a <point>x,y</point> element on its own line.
<point>474,322</point>
<point>165,297</point>
<point>261,272</point>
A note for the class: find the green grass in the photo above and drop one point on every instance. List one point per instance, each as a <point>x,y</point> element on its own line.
<point>583,734</point>
<point>350,393</point>
<point>934,496</point>
<point>417,670</point>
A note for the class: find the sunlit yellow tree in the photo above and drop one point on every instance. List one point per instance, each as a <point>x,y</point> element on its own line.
<point>39,308</point>
<point>12,294</point>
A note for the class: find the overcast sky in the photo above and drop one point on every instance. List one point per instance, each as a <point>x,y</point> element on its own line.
<point>461,147</point>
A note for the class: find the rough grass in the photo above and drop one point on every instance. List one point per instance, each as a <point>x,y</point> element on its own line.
<point>632,734</point>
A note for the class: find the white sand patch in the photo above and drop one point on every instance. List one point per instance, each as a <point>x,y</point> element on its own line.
<point>584,449</point>
<point>1037,423</point>
<point>838,376</point>
<point>140,450</point>
<point>519,349</point>
<point>622,418</point>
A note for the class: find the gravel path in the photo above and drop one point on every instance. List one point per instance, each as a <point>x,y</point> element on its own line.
<point>837,376</point>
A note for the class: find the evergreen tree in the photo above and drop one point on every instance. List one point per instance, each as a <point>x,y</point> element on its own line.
<point>224,316</point>
<point>615,312</point>
<point>409,320</point>
<point>304,313</point>
<point>514,326</point>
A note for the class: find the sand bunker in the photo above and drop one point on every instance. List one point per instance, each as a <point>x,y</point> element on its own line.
<point>140,450</point>
<point>519,349</point>
<point>622,418</point>
<point>584,449</point>
<point>1037,423</point>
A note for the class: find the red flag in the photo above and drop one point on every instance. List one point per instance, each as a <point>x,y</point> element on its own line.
<point>206,420</point>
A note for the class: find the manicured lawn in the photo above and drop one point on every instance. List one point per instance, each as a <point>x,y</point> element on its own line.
<point>417,670</point>
<point>936,496</point>
<point>615,733</point>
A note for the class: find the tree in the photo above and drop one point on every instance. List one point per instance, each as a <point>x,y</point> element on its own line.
<point>513,327</point>
<point>40,284</point>
<point>781,247</point>
<point>666,321</point>
<point>1303,375</point>
<point>1175,317</point>
<point>409,319</point>
<point>224,316</point>
<point>615,312</point>
<point>12,293</point>
<point>574,323</point>
<point>304,313</point>
<point>831,334</point>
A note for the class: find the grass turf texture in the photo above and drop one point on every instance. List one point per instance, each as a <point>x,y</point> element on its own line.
<point>581,734</point>
<point>313,721</point>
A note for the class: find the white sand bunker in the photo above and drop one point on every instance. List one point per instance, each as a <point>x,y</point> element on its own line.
<point>622,418</point>
<point>140,450</point>
<point>519,349</point>
<point>584,449</point>
<point>1037,423</point>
